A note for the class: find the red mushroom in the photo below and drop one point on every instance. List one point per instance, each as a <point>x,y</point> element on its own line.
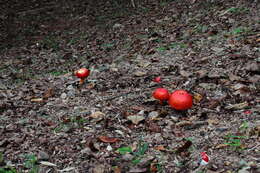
<point>180,100</point>
<point>82,73</point>
<point>161,94</point>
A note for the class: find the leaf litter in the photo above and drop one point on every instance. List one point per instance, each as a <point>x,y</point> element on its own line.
<point>110,123</point>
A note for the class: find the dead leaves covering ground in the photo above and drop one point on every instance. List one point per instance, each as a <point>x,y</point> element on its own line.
<point>111,124</point>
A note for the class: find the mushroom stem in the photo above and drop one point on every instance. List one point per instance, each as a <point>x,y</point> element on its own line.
<point>81,81</point>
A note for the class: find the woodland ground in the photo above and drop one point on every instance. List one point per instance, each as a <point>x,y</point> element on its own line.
<point>48,123</point>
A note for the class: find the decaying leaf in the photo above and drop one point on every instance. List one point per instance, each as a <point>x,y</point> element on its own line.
<point>238,106</point>
<point>97,115</point>
<point>197,97</point>
<point>184,147</point>
<point>153,127</point>
<point>49,93</point>
<point>140,73</point>
<point>69,169</point>
<point>37,100</point>
<point>99,168</point>
<point>184,123</point>
<point>117,169</point>
<point>160,148</point>
<point>137,170</point>
<point>219,146</point>
<point>47,163</point>
<point>135,119</point>
<point>107,139</point>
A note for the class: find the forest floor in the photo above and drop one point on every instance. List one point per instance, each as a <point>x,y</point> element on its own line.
<point>111,123</point>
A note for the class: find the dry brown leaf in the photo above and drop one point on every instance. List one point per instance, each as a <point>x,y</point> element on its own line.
<point>107,139</point>
<point>184,147</point>
<point>219,146</point>
<point>117,169</point>
<point>37,100</point>
<point>197,97</point>
<point>97,115</point>
<point>140,73</point>
<point>153,168</point>
<point>91,85</point>
<point>49,93</point>
<point>135,119</point>
<point>184,123</point>
<point>153,127</point>
<point>160,148</point>
<point>238,106</point>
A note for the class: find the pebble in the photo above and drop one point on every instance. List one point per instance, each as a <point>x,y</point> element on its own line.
<point>43,155</point>
<point>127,157</point>
<point>153,115</point>
<point>71,93</point>
<point>63,95</point>
<point>32,113</point>
<point>70,87</point>
<point>222,129</point>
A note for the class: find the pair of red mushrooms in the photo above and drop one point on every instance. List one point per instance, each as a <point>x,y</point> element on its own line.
<point>179,99</point>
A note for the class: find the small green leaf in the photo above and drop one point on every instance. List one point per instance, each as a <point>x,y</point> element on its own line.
<point>136,161</point>
<point>161,49</point>
<point>142,148</point>
<point>124,150</point>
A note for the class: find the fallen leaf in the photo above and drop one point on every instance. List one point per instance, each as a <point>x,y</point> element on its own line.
<point>49,93</point>
<point>91,85</point>
<point>153,127</point>
<point>99,169</point>
<point>197,97</point>
<point>69,169</point>
<point>92,146</point>
<point>140,73</point>
<point>117,169</point>
<point>184,123</point>
<point>137,170</point>
<point>108,139</point>
<point>97,115</point>
<point>160,148</point>
<point>238,106</point>
<point>37,100</point>
<point>233,77</point>
<point>135,119</point>
<point>185,73</point>
<point>184,147</point>
<point>219,146</point>
<point>153,168</point>
<point>47,163</point>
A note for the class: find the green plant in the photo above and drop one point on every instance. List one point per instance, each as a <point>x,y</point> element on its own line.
<point>240,30</point>
<point>161,49</point>
<point>141,149</point>
<point>8,170</point>
<point>124,150</point>
<point>73,121</point>
<point>237,10</point>
<point>235,141</point>
<point>57,73</point>
<point>177,45</point>
<point>31,163</point>
<point>244,126</point>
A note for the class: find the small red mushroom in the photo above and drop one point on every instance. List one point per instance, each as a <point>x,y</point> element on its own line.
<point>204,158</point>
<point>157,79</point>
<point>82,73</point>
<point>161,94</point>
